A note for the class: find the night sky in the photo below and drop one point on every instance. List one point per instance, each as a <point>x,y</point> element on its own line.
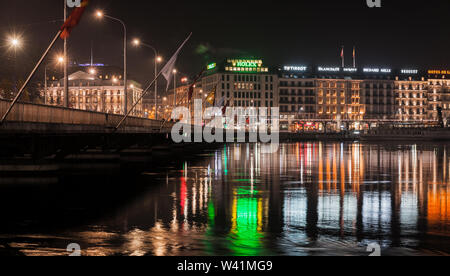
<point>401,34</point>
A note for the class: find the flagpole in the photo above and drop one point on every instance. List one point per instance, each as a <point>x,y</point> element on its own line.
<point>169,65</point>
<point>66,64</point>
<point>29,77</point>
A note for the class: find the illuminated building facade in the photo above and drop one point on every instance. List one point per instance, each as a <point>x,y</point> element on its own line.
<point>358,94</point>
<point>241,83</point>
<point>321,93</point>
<point>95,89</point>
<point>339,99</point>
<point>439,94</point>
<point>411,98</point>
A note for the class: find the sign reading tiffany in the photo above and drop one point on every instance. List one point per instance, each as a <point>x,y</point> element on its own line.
<point>219,123</point>
<point>74,3</point>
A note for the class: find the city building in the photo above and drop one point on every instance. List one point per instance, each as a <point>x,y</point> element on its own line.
<point>311,95</point>
<point>411,92</point>
<point>241,83</point>
<point>377,93</point>
<point>439,94</point>
<point>99,88</point>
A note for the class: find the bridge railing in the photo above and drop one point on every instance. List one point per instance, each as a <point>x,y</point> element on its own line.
<point>35,113</point>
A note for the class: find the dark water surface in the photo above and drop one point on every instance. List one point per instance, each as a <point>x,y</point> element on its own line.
<point>307,199</point>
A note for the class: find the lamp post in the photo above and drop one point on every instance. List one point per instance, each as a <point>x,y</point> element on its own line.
<point>15,43</point>
<point>59,61</point>
<point>158,59</point>
<point>100,14</point>
<point>174,88</point>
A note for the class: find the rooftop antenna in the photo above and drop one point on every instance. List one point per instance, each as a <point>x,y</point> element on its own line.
<point>92,53</point>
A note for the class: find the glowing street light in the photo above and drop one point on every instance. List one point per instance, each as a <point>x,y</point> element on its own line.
<point>158,59</point>
<point>14,42</point>
<point>100,15</point>
<point>174,87</point>
<point>59,60</point>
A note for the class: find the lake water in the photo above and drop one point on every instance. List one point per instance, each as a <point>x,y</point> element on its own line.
<point>307,199</point>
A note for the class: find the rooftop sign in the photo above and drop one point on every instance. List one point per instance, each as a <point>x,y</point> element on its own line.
<point>329,69</point>
<point>246,66</point>
<point>212,66</point>
<point>409,71</point>
<point>377,70</point>
<point>295,68</point>
<point>439,72</point>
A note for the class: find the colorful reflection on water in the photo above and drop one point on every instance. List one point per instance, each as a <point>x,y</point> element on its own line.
<point>307,199</point>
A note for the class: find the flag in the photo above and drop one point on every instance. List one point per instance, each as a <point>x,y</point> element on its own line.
<point>212,96</point>
<point>354,57</point>
<point>342,57</point>
<point>191,88</point>
<point>167,71</point>
<point>221,102</point>
<point>73,20</point>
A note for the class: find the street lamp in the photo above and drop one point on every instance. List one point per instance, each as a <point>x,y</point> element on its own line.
<point>15,43</point>
<point>59,60</point>
<point>158,59</point>
<point>174,88</point>
<point>100,15</point>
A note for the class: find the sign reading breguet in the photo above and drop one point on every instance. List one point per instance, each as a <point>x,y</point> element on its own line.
<point>409,71</point>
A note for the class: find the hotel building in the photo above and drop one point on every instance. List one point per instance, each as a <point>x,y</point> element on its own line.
<point>314,97</point>
<point>98,89</point>
<point>241,83</point>
<point>411,92</point>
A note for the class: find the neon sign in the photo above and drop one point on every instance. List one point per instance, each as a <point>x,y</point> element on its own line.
<point>295,68</point>
<point>377,70</point>
<point>212,66</point>
<point>350,70</point>
<point>329,69</point>
<point>407,71</point>
<point>246,66</point>
<point>439,72</point>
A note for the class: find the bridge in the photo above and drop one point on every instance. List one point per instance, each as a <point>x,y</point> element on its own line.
<point>42,131</point>
<point>35,118</point>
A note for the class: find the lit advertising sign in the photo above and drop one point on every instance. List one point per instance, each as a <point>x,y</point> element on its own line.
<point>439,72</point>
<point>350,70</point>
<point>377,70</point>
<point>409,71</point>
<point>251,64</point>
<point>246,66</point>
<point>295,68</point>
<point>329,69</point>
<point>212,66</point>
